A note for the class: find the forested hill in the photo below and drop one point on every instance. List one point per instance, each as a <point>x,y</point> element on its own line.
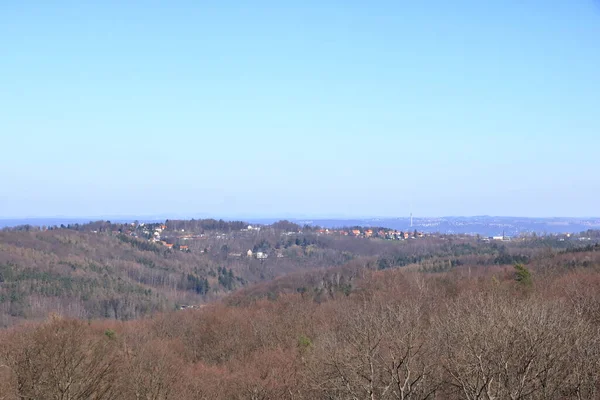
<point>125,271</point>
<point>373,315</point>
<point>469,333</point>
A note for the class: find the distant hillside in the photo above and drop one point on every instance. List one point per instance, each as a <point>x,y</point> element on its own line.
<point>125,271</point>
<point>484,225</point>
<point>470,332</point>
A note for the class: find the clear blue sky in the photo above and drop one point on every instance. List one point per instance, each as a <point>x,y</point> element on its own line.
<point>313,108</point>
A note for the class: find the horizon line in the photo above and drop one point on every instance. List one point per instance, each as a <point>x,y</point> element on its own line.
<point>271,217</point>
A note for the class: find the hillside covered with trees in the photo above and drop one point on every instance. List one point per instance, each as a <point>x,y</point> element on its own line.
<point>486,332</point>
<point>127,271</point>
<point>325,316</point>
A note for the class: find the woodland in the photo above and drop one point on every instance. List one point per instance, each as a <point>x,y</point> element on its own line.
<point>97,314</point>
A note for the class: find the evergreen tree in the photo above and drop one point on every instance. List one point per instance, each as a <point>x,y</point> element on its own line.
<point>522,275</point>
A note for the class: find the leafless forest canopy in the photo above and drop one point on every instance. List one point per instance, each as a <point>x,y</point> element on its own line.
<point>95,312</point>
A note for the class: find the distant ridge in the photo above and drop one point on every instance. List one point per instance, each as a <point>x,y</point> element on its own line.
<point>482,225</point>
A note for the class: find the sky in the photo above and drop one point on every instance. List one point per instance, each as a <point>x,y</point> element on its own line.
<point>320,108</point>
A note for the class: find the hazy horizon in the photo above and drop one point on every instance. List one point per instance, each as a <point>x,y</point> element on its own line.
<point>487,226</point>
<point>278,216</point>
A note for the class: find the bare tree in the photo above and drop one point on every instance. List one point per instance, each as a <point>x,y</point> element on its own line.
<point>60,360</point>
<point>376,351</point>
<point>498,347</point>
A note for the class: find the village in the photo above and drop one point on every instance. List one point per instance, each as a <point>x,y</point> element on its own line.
<point>174,239</point>
<point>160,234</point>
